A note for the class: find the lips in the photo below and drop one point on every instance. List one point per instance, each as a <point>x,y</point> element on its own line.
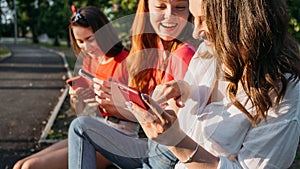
<point>92,54</point>
<point>207,43</point>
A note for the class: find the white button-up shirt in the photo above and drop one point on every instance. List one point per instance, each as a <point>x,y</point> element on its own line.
<point>224,130</point>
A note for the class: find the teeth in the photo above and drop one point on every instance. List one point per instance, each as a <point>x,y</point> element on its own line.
<point>168,25</point>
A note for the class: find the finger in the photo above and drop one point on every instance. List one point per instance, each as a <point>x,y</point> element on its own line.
<point>98,81</point>
<point>142,115</point>
<point>92,104</point>
<point>99,100</point>
<point>158,91</point>
<point>103,101</point>
<point>102,89</point>
<point>75,91</point>
<point>106,84</point>
<point>103,94</point>
<point>82,90</point>
<point>74,99</point>
<point>165,92</point>
<point>164,105</point>
<point>179,103</point>
<point>90,100</point>
<point>86,95</point>
<point>96,86</point>
<point>153,106</point>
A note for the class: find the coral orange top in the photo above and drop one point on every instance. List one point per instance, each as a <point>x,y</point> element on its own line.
<point>100,71</point>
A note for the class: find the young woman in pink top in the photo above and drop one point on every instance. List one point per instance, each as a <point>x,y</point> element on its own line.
<point>162,46</point>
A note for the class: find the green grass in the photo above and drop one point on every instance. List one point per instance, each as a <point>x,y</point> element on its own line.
<point>3,51</point>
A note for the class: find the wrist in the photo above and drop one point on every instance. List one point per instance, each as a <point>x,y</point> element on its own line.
<point>190,158</point>
<point>172,136</point>
<point>186,150</point>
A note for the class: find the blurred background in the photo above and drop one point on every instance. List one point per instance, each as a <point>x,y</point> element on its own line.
<point>47,21</point>
<point>41,21</point>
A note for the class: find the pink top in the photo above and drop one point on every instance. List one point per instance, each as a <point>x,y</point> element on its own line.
<point>175,69</point>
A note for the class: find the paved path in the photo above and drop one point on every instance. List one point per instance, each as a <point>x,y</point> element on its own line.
<point>31,82</point>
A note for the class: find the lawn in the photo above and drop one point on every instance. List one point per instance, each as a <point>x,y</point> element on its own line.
<point>3,51</point>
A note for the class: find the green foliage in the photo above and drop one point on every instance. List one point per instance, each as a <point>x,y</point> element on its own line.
<point>3,51</point>
<point>294,14</point>
<point>36,17</point>
<point>55,20</point>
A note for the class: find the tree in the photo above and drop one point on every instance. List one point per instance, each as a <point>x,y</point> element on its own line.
<point>52,16</point>
<point>29,12</point>
<point>294,14</point>
<point>55,20</point>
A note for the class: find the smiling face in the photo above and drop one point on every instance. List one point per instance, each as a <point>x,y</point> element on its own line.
<point>86,41</point>
<point>168,17</point>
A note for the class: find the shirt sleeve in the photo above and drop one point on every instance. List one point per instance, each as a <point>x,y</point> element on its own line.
<point>272,144</point>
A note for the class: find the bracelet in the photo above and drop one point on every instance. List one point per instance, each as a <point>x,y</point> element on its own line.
<point>192,155</point>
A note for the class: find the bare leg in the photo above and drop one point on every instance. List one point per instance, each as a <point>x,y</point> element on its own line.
<point>48,150</point>
<point>54,157</point>
<point>102,162</point>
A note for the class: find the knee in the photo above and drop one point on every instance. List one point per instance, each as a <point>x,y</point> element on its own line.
<point>76,126</point>
<point>28,164</point>
<point>18,164</point>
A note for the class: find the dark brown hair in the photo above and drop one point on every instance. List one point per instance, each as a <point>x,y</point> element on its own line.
<point>251,37</point>
<point>106,35</point>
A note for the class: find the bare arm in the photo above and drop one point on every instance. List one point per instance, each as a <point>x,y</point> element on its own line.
<point>163,127</point>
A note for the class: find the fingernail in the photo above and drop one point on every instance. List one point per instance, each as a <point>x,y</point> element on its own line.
<point>145,96</point>
<point>100,81</point>
<point>129,105</point>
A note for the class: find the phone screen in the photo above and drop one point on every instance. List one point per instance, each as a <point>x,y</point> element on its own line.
<point>130,94</point>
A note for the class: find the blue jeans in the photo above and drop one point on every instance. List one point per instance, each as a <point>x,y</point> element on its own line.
<point>88,135</point>
<point>159,157</point>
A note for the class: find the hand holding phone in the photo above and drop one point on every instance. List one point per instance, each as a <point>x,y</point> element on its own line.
<point>84,80</point>
<point>86,75</point>
<point>129,94</point>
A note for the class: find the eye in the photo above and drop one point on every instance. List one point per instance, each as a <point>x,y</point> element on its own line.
<point>79,42</point>
<point>161,6</point>
<point>91,39</point>
<point>181,8</point>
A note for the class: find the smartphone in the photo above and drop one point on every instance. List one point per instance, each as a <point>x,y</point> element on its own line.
<point>130,94</point>
<point>78,81</point>
<point>84,80</point>
<point>86,75</point>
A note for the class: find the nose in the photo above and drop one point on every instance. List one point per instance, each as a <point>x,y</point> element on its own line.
<point>196,33</point>
<point>168,12</point>
<point>85,46</point>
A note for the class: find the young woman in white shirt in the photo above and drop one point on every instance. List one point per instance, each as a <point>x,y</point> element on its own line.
<point>239,101</point>
<point>240,96</point>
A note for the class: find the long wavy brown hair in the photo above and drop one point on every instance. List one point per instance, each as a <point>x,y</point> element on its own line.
<point>143,57</point>
<point>251,37</point>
